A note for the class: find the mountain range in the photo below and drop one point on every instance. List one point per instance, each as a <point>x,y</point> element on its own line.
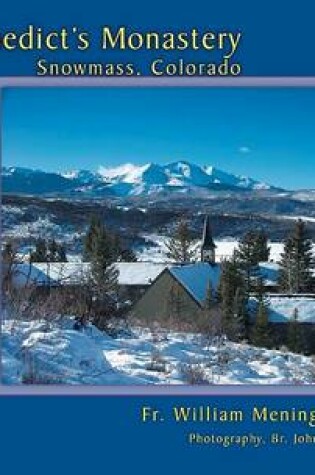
<point>128,180</point>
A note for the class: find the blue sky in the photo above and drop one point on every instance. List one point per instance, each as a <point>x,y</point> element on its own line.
<point>268,134</point>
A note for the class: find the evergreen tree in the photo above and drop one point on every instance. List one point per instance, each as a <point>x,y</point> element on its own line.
<point>56,252</point>
<point>296,261</point>
<point>240,316</point>
<point>210,297</point>
<point>233,300</point>
<point>248,256</point>
<point>90,237</point>
<point>262,250</point>
<point>41,253</point>
<point>260,292</point>
<point>48,251</point>
<point>101,251</point>
<point>102,258</point>
<point>52,251</point>
<point>261,332</point>
<point>128,255</point>
<point>179,245</point>
<point>97,233</point>
<point>62,256</point>
<point>175,307</point>
<point>103,278</point>
<point>294,334</point>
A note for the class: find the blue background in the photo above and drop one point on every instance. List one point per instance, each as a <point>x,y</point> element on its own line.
<point>278,36</point>
<point>103,434</point>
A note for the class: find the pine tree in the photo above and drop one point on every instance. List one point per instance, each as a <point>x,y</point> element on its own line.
<point>102,258</point>
<point>179,245</point>
<point>97,232</point>
<point>55,252</point>
<point>296,261</point>
<point>260,292</point>
<point>128,255</point>
<point>262,250</point>
<point>101,251</point>
<point>175,307</point>
<point>52,251</point>
<point>233,300</point>
<point>240,316</point>
<point>41,253</point>
<point>249,253</point>
<point>210,298</point>
<point>91,235</point>
<point>62,256</point>
<point>48,251</point>
<point>261,331</point>
<point>294,334</point>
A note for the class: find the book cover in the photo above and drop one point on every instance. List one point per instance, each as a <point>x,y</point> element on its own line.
<point>157,236</point>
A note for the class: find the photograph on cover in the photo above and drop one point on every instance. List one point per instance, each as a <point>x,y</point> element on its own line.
<point>158,236</point>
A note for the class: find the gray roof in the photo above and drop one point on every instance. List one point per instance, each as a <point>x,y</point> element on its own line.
<point>75,273</point>
<point>192,276</point>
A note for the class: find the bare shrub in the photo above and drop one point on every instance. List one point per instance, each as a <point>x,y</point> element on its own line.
<point>37,378</point>
<point>194,374</point>
<point>223,358</point>
<point>157,363</point>
<point>30,303</point>
<point>118,328</point>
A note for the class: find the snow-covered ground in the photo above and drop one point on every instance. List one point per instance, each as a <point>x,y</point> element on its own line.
<point>156,250</point>
<point>224,250</point>
<point>42,226</point>
<point>307,219</point>
<point>55,353</point>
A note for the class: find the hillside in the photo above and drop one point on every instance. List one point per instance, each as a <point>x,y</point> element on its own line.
<point>54,353</point>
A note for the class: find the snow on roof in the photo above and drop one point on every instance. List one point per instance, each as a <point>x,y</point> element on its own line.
<point>269,271</point>
<point>192,276</point>
<point>74,273</point>
<point>196,277</point>
<point>54,273</point>
<point>281,309</point>
<point>138,273</point>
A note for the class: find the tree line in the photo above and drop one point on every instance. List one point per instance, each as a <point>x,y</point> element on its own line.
<point>241,278</point>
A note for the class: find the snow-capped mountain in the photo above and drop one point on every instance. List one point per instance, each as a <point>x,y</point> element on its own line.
<point>128,180</point>
<point>178,176</point>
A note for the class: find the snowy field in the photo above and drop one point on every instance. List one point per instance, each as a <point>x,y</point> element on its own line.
<point>55,353</point>
<point>225,248</point>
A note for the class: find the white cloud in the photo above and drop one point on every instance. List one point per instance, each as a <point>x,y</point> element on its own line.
<point>244,149</point>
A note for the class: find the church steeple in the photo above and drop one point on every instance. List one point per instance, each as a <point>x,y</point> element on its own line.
<point>207,243</point>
